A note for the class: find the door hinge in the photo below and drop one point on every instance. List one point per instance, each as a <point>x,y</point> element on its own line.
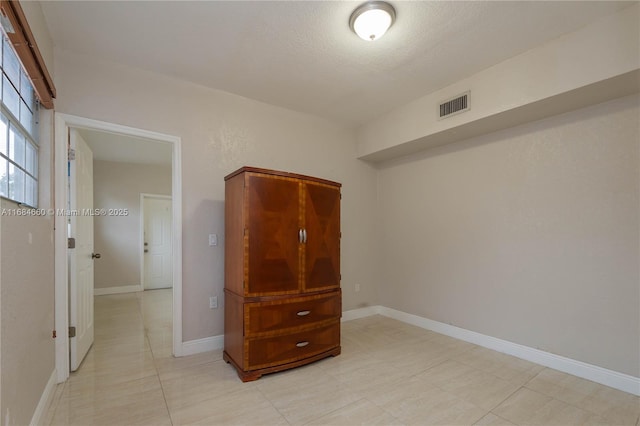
<point>72,332</point>
<point>246,231</point>
<point>54,334</point>
<point>71,243</point>
<point>72,154</point>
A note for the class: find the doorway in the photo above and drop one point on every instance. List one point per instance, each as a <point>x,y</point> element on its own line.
<point>63,124</point>
<point>156,269</point>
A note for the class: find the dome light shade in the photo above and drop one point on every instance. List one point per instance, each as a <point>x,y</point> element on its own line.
<point>372,19</point>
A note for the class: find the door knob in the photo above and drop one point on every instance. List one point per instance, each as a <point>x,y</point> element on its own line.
<point>95,255</point>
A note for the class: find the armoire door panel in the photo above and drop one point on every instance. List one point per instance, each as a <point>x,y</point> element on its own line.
<point>322,247</point>
<point>273,227</point>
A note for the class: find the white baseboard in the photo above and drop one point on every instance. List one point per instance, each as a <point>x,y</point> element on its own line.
<point>360,313</point>
<point>207,344</point>
<point>45,400</point>
<point>614,379</point>
<point>116,290</point>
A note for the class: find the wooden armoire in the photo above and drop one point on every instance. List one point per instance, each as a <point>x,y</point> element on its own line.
<point>283,301</point>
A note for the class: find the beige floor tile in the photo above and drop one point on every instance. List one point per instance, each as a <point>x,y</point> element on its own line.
<point>388,373</point>
<point>372,333</point>
<point>103,362</point>
<point>108,362</point>
<point>247,406</point>
<point>119,335</point>
<point>504,366</point>
<point>93,382</point>
<point>205,382</point>
<point>493,420</point>
<point>112,409</point>
<point>370,321</point>
<point>164,365</point>
<point>347,359</point>
<point>346,362</point>
<point>616,406</point>
<point>306,394</point>
<point>161,349</point>
<point>477,387</point>
<point>452,343</point>
<point>124,345</point>
<point>417,402</point>
<point>79,392</point>
<point>416,357</point>
<point>530,407</point>
<point>298,377</point>
<point>393,329</point>
<point>351,345</point>
<point>367,376</point>
<point>362,412</point>
<point>367,341</point>
<point>118,320</point>
<point>104,341</point>
<point>55,400</point>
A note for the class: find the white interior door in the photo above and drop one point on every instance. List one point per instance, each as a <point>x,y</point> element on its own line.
<point>157,252</point>
<point>81,257</point>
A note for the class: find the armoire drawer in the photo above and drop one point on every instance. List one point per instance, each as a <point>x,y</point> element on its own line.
<point>273,316</point>
<point>282,349</point>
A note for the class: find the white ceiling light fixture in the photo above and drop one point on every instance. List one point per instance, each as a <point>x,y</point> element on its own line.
<point>372,19</point>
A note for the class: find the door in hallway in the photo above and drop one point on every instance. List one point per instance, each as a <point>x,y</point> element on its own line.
<point>81,257</point>
<point>157,250</point>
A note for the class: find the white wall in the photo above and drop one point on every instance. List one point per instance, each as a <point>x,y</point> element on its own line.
<point>117,238</point>
<point>221,132</point>
<point>27,357</point>
<point>530,234</point>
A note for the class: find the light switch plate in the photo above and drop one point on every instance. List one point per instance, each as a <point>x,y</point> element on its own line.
<point>213,240</point>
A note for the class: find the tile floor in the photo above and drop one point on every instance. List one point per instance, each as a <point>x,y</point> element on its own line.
<point>389,373</point>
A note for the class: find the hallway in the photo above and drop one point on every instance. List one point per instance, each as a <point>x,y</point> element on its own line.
<point>133,338</point>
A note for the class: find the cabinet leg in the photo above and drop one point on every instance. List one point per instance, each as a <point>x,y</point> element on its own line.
<point>245,376</point>
<point>248,376</point>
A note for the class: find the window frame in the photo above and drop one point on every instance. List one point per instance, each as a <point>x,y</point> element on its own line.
<point>14,125</point>
<point>17,29</point>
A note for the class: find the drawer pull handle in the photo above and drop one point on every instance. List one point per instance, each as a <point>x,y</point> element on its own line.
<point>302,344</point>
<point>303,313</point>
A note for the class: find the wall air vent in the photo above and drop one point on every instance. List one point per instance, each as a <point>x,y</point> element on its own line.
<point>454,106</point>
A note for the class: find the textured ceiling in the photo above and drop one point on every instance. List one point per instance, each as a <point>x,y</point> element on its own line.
<point>303,56</point>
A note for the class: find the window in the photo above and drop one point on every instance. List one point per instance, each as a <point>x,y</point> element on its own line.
<point>18,131</point>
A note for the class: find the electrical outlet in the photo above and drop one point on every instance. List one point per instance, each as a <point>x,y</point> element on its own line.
<point>213,302</point>
<point>357,288</point>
